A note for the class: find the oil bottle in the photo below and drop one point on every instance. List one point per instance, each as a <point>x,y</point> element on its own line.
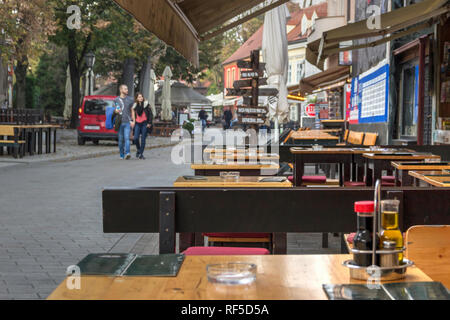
<point>389,224</point>
<point>363,239</point>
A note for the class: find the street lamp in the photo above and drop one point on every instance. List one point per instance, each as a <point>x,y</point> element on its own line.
<point>90,60</point>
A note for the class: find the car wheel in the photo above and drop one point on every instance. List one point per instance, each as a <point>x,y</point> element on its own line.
<point>81,141</point>
<point>95,142</point>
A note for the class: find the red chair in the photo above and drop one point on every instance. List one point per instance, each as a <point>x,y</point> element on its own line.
<point>224,251</point>
<point>388,179</point>
<point>354,184</point>
<point>237,235</point>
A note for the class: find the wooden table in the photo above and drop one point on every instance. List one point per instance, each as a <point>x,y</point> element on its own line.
<point>218,182</point>
<point>245,156</point>
<point>439,179</point>
<point>244,169</point>
<point>233,150</point>
<point>195,239</point>
<point>29,133</point>
<point>382,161</point>
<point>326,155</point>
<point>313,137</point>
<point>402,169</point>
<point>279,277</point>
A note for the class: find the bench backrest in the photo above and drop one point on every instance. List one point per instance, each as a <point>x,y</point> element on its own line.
<point>370,139</point>
<point>6,131</point>
<point>346,135</point>
<point>355,137</point>
<point>429,248</point>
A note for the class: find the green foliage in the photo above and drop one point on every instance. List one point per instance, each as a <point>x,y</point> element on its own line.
<point>51,80</point>
<point>32,92</point>
<point>188,125</point>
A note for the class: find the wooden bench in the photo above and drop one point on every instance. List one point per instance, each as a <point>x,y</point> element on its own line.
<point>428,246</point>
<point>15,143</point>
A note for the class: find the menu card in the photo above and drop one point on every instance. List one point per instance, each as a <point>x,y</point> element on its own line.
<point>118,264</point>
<point>388,291</point>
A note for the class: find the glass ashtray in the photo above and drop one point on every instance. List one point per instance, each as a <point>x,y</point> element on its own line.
<point>230,175</point>
<point>235,273</point>
<point>317,147</point>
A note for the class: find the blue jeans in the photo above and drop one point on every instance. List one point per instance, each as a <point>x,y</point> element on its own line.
<point>140,129</point>
<point>203,125</point>
<point>124,139</point>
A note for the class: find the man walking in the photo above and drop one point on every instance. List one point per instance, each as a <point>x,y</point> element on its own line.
<point>123,105</point>
<point>203,116</point>
<point>227,116</point>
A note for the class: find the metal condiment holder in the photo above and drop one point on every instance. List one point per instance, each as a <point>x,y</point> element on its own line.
<point>375,272</point>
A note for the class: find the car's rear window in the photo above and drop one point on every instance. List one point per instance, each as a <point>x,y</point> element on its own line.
<point>97,106</point>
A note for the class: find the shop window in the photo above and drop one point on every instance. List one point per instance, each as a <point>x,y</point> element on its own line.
<point>290,74</point>
<point>408,100</point>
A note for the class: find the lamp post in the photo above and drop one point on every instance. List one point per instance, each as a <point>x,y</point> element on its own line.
<point>90,60</point>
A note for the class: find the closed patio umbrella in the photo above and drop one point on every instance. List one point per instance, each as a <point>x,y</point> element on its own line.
<point>68,103</point>
<point>151,95</point>
<point>275,55</point>
<point>166,106</point>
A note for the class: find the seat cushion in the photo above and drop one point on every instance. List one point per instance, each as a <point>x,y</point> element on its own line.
<point>237,234</point>
<point>224,251</point>
<point>321,179</point>
<point>350,237</point>
<point>388,178</point>
<point>354,184</point>
<point>291,178</point>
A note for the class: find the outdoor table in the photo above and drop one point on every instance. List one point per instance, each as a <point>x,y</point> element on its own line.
<point>244,169</point>
<point>278,277</point>
<point>192,239</point>
<point>439,179</point>
<point>306,138</point>
<point>402,168</point>
<point>29,132</point>
<point>233,150</point>
<point>218,182</point>
<point>245,156</point>
<point>326,155</point>
<point>382,161</point>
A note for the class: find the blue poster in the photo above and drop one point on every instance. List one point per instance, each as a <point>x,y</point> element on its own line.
<point>373,92</point>
<point>416,94</point>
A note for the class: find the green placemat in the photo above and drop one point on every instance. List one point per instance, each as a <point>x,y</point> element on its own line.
<point>164,265</point>
<point>110,264</point>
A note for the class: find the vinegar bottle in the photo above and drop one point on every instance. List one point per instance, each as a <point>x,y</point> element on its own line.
<point>389,224</point>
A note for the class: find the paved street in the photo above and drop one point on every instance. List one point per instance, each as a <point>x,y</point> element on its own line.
<point>50,218</point>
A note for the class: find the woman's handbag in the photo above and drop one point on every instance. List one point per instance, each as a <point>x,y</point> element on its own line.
<point>118,122</point>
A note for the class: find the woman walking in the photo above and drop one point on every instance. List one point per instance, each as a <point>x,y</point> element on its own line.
<point>142,121</point>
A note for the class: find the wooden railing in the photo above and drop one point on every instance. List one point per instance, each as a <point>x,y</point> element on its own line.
<point>21,116</point>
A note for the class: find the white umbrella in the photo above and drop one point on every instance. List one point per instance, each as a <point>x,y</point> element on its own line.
<point>166,107</point>
<point>151,95</point>
<point>275,55</point>
<point>68,103</point>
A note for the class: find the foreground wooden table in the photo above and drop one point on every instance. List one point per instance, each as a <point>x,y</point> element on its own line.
<point>279,277</point>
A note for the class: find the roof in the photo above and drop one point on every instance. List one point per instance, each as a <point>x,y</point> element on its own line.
<point>252,43</point>
<point>255,41</point>
<point>182,95</point>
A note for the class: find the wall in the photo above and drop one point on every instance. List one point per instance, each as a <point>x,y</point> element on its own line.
<point>228,81</point>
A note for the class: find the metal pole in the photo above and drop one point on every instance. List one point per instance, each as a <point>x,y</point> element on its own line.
<point>420,111</point>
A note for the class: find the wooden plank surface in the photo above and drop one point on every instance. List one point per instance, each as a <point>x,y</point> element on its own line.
<point>400,157</point>
<point>419,174</point>
<point>233,166</point>
<point>296,150</point>
<point>279,277</point>
<point>245,156</point>
<point>233,150</point>
<point>215,181</point>
<point>424,166</point>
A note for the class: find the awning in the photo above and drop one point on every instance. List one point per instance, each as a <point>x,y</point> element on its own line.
<point>322,80</point>
<point>182,24</point>
<point>393,24</point>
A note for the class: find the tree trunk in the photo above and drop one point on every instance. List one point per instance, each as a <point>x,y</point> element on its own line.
<point>21,80</point>
<point>75,80</point>
<point>128,75</point>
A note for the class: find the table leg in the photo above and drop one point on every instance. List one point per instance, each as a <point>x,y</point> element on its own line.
<point>360,173</point>
<point>406,178</point>
<point>348,171</point>
<point>40,133</point>
<point>54,140</point>
<point>344,249</point>
<point>324,240</point>
<point>377,171</point>
<point>298,170</point>
<point>47,140</point>
<point>1,147</point>
<point>341,174</point>
<point>369,177</point>
<point>32,142</point>
<point>279,243</point>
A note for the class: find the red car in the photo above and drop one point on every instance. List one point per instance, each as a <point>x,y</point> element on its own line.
<point>92,119</point>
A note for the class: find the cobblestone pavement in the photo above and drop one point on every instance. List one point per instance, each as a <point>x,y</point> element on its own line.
<point>50,218</point>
